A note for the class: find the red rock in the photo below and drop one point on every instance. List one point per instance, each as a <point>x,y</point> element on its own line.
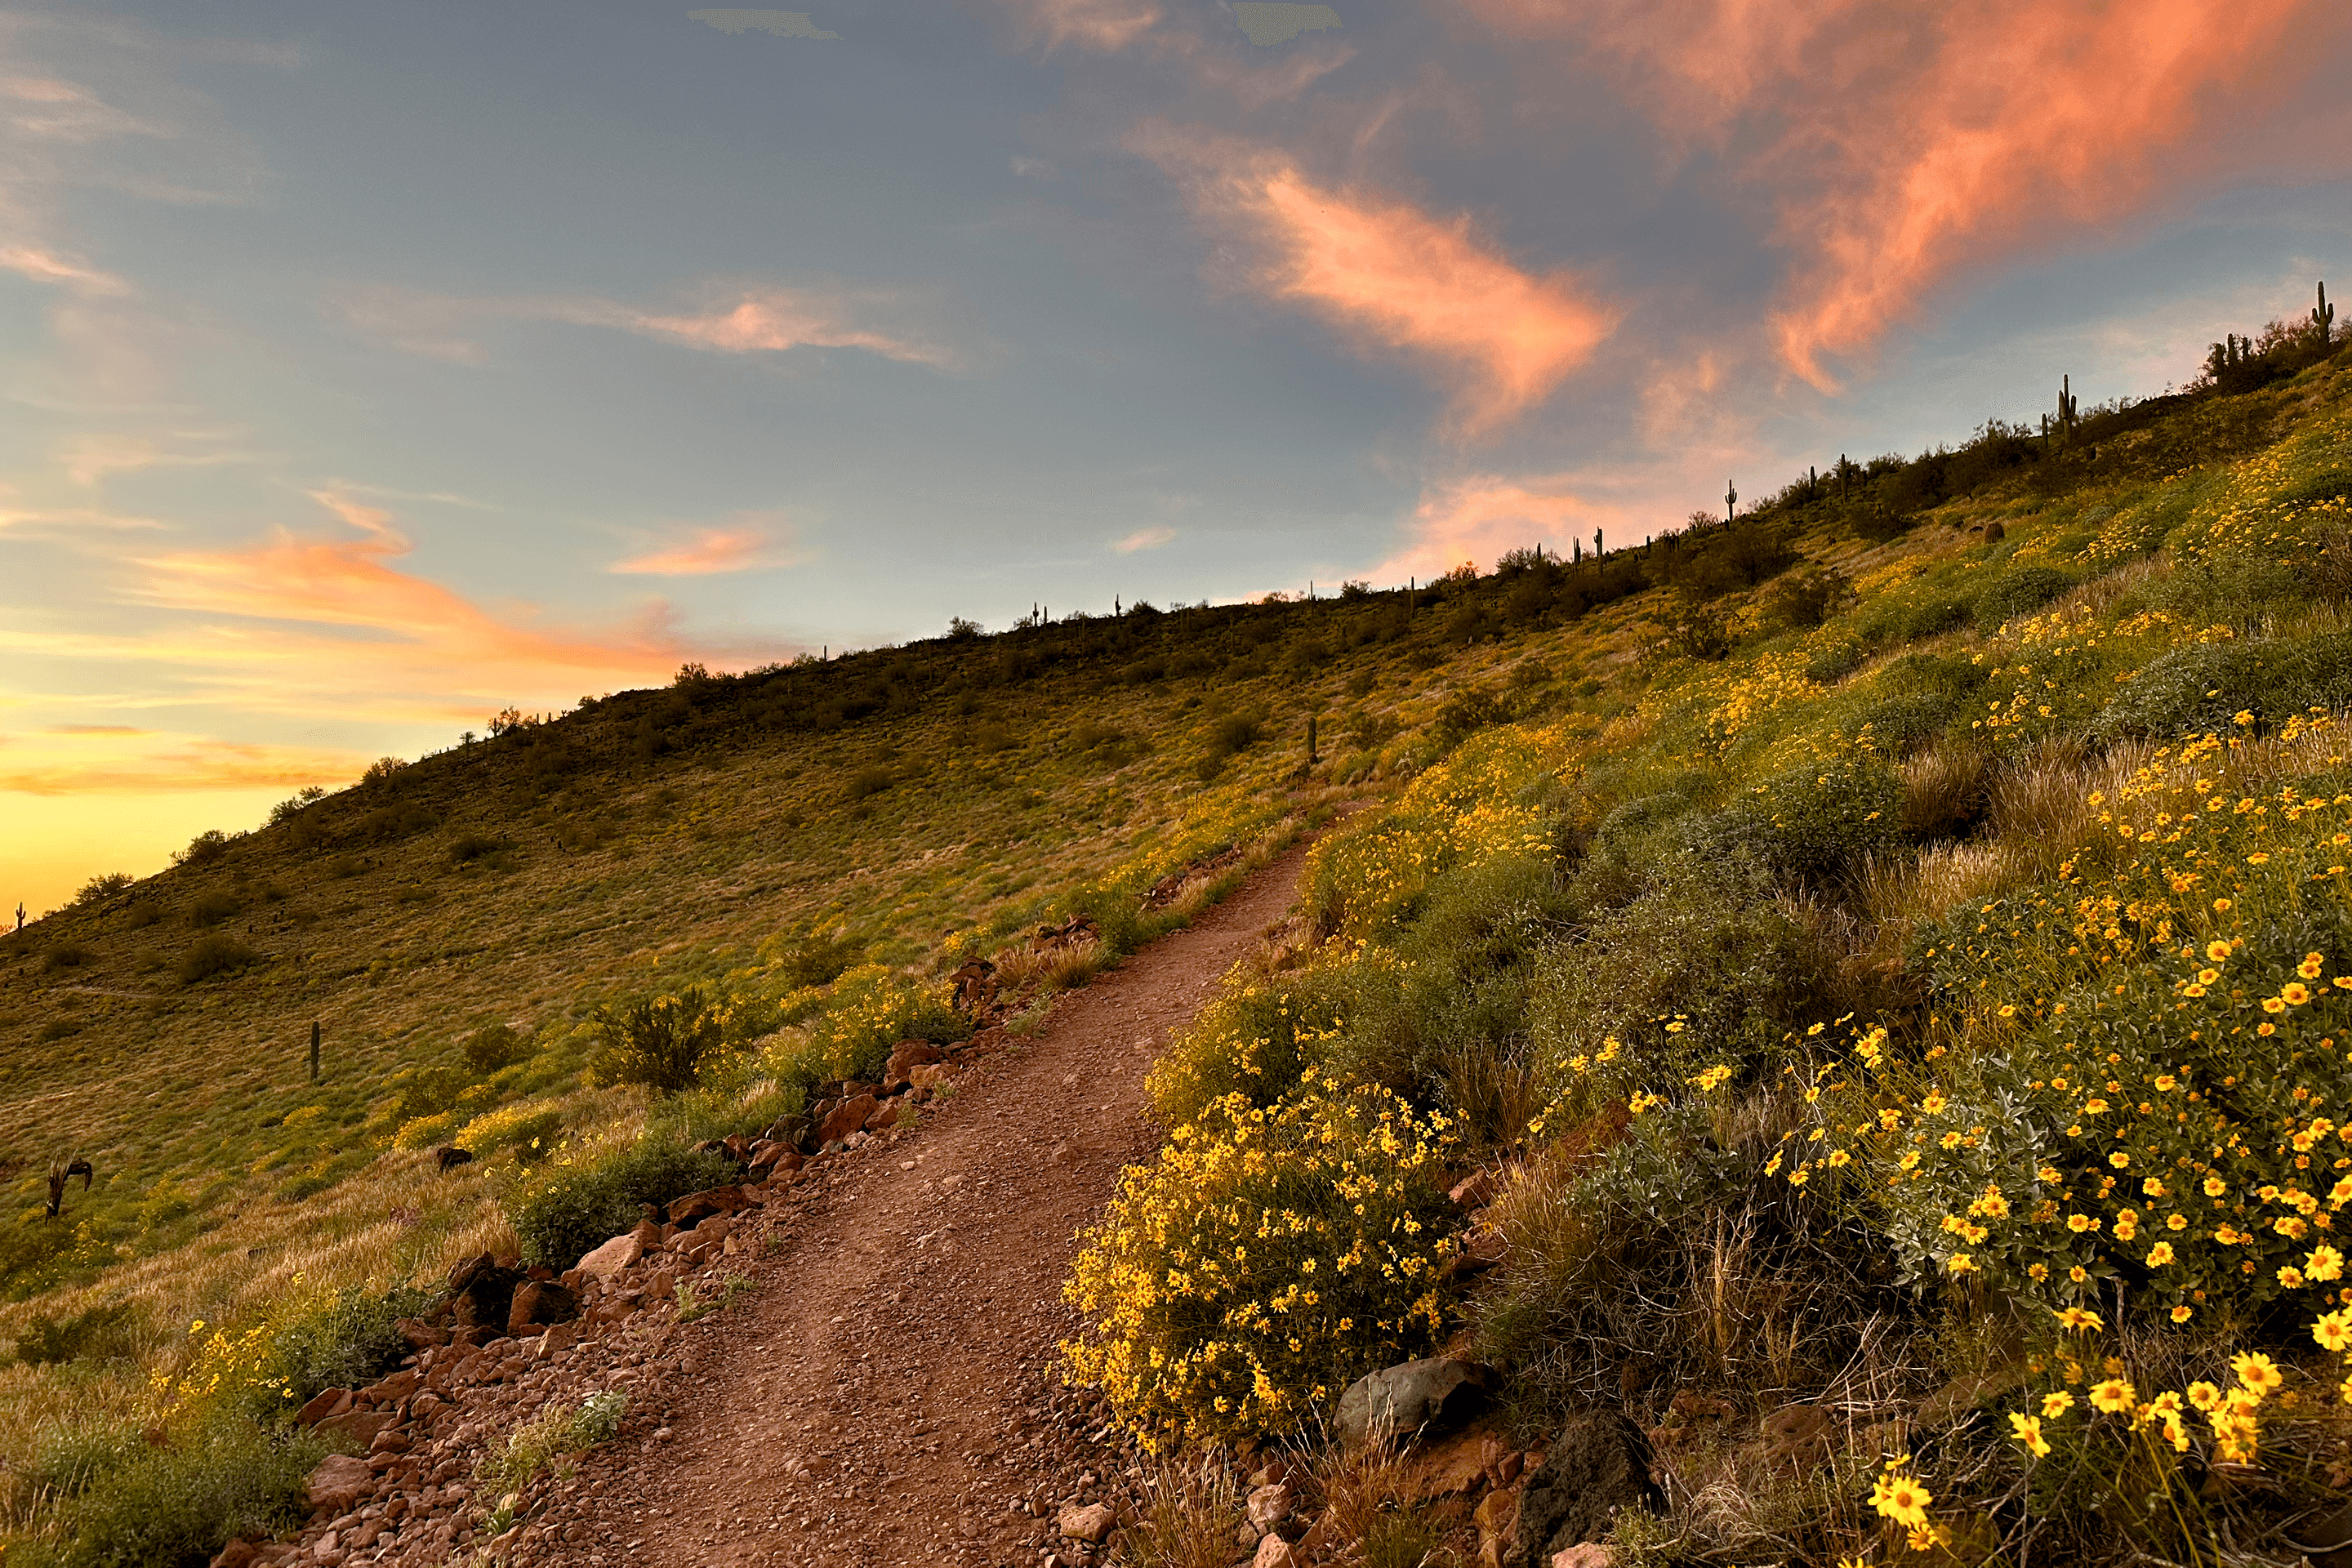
<point>615,1255</point>
<point>907,1056</point>
<point>540,1303</point>
<point>236,1554</point>
<point>360,1425</point>
<point>1475,1191</point>
<point>391,1390</point>
<point>845,1118</point>
<point>648,1235</point>
<point>338,1483</point>
<point>1273,1553</point>
<point>330,1402</point>
<point>1090,1523</point>
<point>695,1208</point>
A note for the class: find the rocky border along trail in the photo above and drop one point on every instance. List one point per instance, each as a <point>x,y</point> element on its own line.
<point>886,1394</point>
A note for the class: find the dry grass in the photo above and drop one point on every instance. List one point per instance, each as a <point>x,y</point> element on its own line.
<point>1191,1518</point>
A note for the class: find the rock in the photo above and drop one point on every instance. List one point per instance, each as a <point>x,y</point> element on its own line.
<point>1589,1554</point>
<point>390,1390</point>
<point>1091,1524</point>
<point>1418,1397</point>
<point>691,1210</point>
<point>338,1483</point>
<point>360,1425</point>
<point>648,1234</point>
<point>418,1334</point>
<point>1273,1551</point>
<point>1483,1246</point>
<point>1475,1191</point>
<point>238,1555</point>
<point>1269,1506</point>
<point>1456,1466</point>
<point>885,1117</point>
<point>449,1157</point>
<point>615,1255</point>
<point>1496,1516</point>
<point>907,1056</point>
<point>1798,1437</point>
<point>326,1403</point>
<point>1598,1465</point>
<point>845,1118</point>
<point>481,1292</point>
<point>924,1081</point>
<point>540,1303</point>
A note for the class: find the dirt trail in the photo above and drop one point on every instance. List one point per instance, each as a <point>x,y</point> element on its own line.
<point>884,1398</point>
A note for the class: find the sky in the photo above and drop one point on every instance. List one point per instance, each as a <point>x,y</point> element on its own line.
<point>367,369</point>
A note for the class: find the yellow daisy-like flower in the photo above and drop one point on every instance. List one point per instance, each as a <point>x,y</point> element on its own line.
<point>2312,966</point>
<point>2027,1429</point>
<point>2334,1331</point>
<point>2159,1255</point>
<point>2055,1404</point>
<point>2181,1314</point>
<point>2324,1265</point>
<point>2204,1396</point>
<point>2218,952</point>
<point>2112,1395</point>
<point>2294,993</point>
<point>2273,1004</point>
<point>2257,1371</point>
<point>2078,1319</point>
<point>1903,1499</point>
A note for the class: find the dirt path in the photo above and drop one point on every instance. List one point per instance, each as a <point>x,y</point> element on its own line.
<point>885,1397</point>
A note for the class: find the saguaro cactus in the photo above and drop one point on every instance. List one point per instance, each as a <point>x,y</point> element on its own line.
<point>2323,316</point>
<point>2066,404</point>
<point>314,1050</point>
<point>1730,501</point>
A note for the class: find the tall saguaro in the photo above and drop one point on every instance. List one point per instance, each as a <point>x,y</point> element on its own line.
<point>314,1050</point>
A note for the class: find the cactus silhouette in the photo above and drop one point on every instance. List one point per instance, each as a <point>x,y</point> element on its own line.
<point>2066,404</point>
<point>2323,316</point>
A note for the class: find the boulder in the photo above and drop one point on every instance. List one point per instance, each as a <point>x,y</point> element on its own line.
<point>1799,1438</point>
<point>923,1081</point>
<point>691,1210</point>
<point>417,1335</point>
<point>1091,1524</point>
<point>1415,1398</point>
<point>539,1303</point>
<point>615,1255</point>
<point>338,1483</point>
<point>361,1426</point>
<point>481,1292</point>
<point>905,1058</point>
<point>390,1390</point>
<point>885,1117</point>
<point>1597,1466</point>
<point>1274,1552</point>
<point>237,1553</point>
<point>1475,1191</point>
<point>1590,1554</point>
<point>845,1118</point>
<point>1269,1505</point>
<point>326,1403</point>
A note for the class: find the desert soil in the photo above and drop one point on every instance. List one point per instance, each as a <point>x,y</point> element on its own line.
<point>888,1394</point>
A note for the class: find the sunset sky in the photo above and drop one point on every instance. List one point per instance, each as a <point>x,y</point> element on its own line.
<point>365,370</point>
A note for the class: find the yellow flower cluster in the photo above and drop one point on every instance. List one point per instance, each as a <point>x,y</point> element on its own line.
<point>1262,1261</point>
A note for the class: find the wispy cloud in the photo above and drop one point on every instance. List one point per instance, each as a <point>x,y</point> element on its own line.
<point>1144,539</point>
<point>86,759</point>
<point>1105,25</point>
<point>750,542</point>
<point>736,319</point>
<point>775,24</point>
<point>1479,517</point>
<point>1389,275</point>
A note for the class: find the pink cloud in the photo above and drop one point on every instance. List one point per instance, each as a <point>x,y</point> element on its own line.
<point>1390,275</point>
<point>1105,25</point>
<point>1904,141</point>
<point>748,545</point>
<point>1478,519</point>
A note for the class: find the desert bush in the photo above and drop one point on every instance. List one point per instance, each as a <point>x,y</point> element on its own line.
<point>1265,1261</point>
<point>343,1339</point>
<point>211,909</point>
<point>67,955</point>
<point>294,805</point>
<point>496,1046</point>
<point>1896,623</point>
<point>100,889</point>
<point>870,1010</point>
<point>867,781</point>
<point>1835,661</point>
<point>2018,591</point>
<point>204,849</point>
<point>175,1507</point>
<point>1807,596</point>
<point>570,1207</point>
<point>531,1133</point>
<point>110,1330</point>
<point>816,959</point>
<point>662,1043</point>
<point>469,847</point>
<point>214,955</point>
<point>1813,824</point>
<point>1946,791</point>
<point>2203,688</point>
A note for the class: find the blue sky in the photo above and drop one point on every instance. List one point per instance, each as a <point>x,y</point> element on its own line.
<point>365,370</point>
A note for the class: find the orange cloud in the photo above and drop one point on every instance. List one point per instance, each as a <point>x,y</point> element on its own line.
<point>91,758</point>
<point>1105,25</point>
<point>48,267</point>
<point>315,625</point>
<point>1908,139</point>
<point>1479,517</point>
<point>744,547</point>
<point>1394,276</point>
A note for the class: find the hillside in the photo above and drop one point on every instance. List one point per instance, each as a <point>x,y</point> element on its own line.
<point>1675,910</point>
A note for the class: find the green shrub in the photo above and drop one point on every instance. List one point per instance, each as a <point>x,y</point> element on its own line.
<point>203,849</point>
<point>1834,662</point>
<point>2200,688</point>
<point>214,955</point>
<point>1893,625</point>
<point>1902,723</point>
<point>816,959</point>
<point>468,847</point>
<point>571,1209</point>
<point>552,1434</point>
<point>68,955</point>
<point>1468,712</point>
<point>495,1045</point>
<point>100,889</point>
<point>663,1043</point>
<point>175,1507</point>
<point>2021,589</point>
<point>342,1340</point>
<point>1813,824</point>
<point>1806,596</point>
<point>211,909</point>
<point>107,1331</point>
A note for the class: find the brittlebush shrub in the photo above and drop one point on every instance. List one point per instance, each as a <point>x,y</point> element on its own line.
<point>1263,1262</point>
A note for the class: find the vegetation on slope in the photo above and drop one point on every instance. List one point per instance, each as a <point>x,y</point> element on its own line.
<point>1925,1001</point>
